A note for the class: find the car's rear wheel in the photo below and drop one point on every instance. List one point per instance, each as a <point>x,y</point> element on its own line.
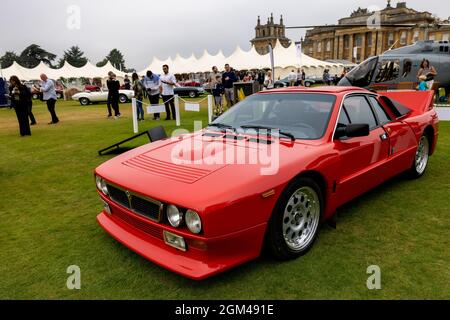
<point>84,101</point>
<point>35,96</point>
<point>294,224</point>
<point>192,94</point>
<point>421,159</point>
<point>123,98</point>
<point>307,84</point>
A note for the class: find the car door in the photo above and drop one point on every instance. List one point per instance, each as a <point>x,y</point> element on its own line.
<point>360,158</point>
<point>402,140</point>
<point>99,96</point>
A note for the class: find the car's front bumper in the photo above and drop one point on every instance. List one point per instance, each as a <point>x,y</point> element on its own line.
<point>216,254</point>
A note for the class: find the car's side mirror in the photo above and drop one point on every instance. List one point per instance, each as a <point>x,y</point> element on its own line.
<point>353,130</point>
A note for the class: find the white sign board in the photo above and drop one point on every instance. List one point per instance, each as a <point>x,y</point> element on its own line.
<point>156,109</point>
<point>192,107</point>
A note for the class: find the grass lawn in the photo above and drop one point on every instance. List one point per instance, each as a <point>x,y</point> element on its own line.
<point>49,204</point>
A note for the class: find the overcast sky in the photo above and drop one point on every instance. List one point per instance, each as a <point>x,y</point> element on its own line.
<point>141,29</point>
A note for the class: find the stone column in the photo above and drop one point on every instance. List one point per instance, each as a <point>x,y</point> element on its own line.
<point>341,48</point>
<point>362,52</point>
<point>336,47</point>
<point>351,44</point>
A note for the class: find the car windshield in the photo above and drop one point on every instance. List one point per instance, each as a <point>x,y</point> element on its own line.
<point>301,115</point>
<point>361,76</point>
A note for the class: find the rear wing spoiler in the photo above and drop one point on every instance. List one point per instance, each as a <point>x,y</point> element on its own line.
<point>410,103</point>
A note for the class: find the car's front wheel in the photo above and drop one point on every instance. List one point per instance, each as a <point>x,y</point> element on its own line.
<point>123,98</point>
<point>308,84</point>
<point>84,101</point>
<point>192,94</point>
<point>421,159</point>
<point>295,221</point>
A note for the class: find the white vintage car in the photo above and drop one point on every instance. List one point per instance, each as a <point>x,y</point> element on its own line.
<point>88,97</point>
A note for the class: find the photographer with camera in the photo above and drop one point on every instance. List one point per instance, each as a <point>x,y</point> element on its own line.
<point>20,97</point>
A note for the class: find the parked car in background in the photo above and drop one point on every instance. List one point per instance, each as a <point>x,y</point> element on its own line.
<point>58,87</point>
<point>190,83</point>
<point>285,83</point>
<point>87,97</point>
<point>190,92</point>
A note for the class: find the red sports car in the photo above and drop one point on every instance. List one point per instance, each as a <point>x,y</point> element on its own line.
<point>264,174</point>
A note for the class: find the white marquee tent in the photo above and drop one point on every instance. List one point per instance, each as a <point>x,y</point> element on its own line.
<point>285,60</point>
<point>66,71</point>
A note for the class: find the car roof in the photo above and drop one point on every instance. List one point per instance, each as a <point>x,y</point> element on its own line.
<point>324,89</point>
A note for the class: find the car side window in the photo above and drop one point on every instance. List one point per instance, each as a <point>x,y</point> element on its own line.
<point>343,118</point>
<point>383,117</point>
<point>359,111</point>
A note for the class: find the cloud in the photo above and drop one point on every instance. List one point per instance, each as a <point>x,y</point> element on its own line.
<point>142,29</point>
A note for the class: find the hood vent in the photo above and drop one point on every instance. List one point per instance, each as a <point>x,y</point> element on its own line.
<point>182,173</point>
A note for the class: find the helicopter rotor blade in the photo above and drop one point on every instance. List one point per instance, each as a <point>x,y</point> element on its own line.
<point>382,25</point>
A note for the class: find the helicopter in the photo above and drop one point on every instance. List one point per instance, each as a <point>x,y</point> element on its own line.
<point>400,66</point>
<point>396,68</point>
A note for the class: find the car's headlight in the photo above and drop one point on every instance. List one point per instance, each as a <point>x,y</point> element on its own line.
<point>193,221</point>
<point>101,185</point>
<point>174,215</point>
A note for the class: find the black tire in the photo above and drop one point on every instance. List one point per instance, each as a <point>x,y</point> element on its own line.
<point>420,162</point>
<point>275,242</point>
<point>84,101</point>
<point>123,98</point>
<point>193,94</point>
<point>35,96</point>
<point>278,86</point>
<point>308,84</point>
<point>59,95</point>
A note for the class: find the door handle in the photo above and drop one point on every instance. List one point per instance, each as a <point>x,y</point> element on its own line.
<point>384,136</point>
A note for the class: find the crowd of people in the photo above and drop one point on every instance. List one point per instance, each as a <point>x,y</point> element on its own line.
<point>154,86</point>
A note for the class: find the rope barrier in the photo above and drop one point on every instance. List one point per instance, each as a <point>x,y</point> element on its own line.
<point>198,101</point>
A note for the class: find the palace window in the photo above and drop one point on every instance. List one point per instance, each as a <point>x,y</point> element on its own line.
<point>328,45</point>
<point>416,36</point>
<point>358,41</point>
<point>390,38</point>
<point>346,42</point>
<point>403,37</point>
<point>433,37</point>
<point>369,40</point>
<point>445,37</point>
<point>319,46</point>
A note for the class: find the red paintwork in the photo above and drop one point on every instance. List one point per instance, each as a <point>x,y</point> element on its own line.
<point>229,197</point>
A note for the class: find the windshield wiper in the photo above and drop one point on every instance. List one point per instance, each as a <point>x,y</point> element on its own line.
<point>269,129</point>
<point>222,126</point>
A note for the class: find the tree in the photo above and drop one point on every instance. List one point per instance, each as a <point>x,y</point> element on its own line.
<point>33,55</point>
<point>74,56</point>
<point>116,59</point>
<point>8,59</point>
<point>102,63</point>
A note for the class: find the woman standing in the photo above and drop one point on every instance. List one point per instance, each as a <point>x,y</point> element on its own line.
<point>20,97</point>
<point>113,93</point>
<point>139,95</point>
<point>428,71</point>
<point>268,80</point>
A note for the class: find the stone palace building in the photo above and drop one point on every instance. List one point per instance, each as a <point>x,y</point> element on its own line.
<point>339,43</point>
